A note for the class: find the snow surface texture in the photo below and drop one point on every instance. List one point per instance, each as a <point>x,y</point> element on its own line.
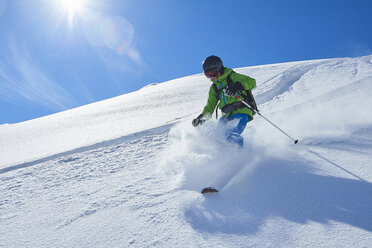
<point>126,172</point>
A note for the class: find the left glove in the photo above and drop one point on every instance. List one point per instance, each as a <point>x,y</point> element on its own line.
<point>232,89</point>
<point>198,120</point>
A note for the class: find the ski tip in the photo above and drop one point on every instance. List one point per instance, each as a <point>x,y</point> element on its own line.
<point>209,190</point>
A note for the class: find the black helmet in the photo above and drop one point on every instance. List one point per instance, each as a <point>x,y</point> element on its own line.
<point>213,63</point>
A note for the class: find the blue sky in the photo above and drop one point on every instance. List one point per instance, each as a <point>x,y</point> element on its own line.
<point>56,55</point>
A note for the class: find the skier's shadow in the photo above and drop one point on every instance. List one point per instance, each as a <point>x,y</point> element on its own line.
<point>281,189</point>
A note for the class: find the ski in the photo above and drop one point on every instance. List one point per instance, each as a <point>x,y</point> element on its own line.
<point>209,190</point>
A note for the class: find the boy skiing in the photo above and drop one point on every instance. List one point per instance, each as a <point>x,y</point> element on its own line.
<point>227,87</point>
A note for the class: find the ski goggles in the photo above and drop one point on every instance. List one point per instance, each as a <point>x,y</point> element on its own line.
<point>211,74</point>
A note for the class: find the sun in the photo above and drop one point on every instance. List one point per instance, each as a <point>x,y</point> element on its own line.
<point>73,7</point>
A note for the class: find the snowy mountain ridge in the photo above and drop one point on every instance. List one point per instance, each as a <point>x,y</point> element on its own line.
<point>126,114</point>
<point>127,171</point>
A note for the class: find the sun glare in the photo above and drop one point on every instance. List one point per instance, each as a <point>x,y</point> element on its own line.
<point>72,7</point>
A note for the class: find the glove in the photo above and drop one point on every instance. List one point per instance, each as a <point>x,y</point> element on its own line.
<point>198,120</point>
<point>232,89</point>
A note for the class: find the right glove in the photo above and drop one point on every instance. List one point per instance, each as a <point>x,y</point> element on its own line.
<point>198,120</point>
<point>233,88</point>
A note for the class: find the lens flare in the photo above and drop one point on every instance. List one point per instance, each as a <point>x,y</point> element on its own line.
<point>117,33</point>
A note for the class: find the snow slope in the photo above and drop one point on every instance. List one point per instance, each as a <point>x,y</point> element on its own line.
<point>126,172</point>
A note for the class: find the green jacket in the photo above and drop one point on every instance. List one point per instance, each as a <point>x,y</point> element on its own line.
<point>247,82</point>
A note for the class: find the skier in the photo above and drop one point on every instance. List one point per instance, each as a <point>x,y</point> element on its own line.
<point>226,84</point>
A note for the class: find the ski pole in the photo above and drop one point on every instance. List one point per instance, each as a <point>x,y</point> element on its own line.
<point>256,111</point>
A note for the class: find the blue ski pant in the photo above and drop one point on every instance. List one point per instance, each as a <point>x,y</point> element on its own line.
<point>234,127</point>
